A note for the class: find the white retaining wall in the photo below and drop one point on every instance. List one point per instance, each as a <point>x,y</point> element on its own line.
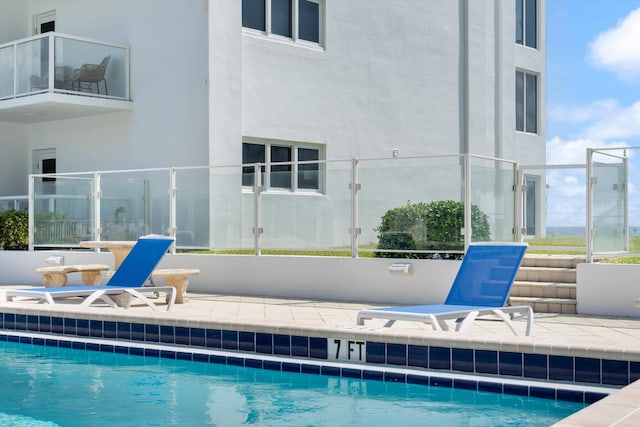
<point>608,289</point>
<point>339,279</point>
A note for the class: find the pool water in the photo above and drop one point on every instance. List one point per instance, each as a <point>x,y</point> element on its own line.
<point>48,386</point>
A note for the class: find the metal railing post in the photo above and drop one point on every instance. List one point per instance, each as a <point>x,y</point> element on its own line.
<point>51,64</point>
<point>589,219</point>
<point>97,194</point>
<point>173,192</point>
<point>355,230</point>
<point>467,201</point>
<point>31,210</point>
<point>257,209</point>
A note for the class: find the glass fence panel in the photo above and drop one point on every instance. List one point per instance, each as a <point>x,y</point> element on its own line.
<point>91,68</point>
<point>392,205</point>
<point>63,210</point>
<point>306,219</point>
<point>492,200</point>
<point>133,204</point>
<point>7,70</point>
<point>232,211</point>
<point>192,208</point>
<point>554,208</point>
<point>609,204</point>
<point>32,66</point>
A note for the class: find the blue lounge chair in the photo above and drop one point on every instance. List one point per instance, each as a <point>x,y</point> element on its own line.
<point>481,287</point>
<point>129,279</point>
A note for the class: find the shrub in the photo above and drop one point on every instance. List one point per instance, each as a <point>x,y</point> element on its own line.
<point>14,230</point>
<point>433,226</point>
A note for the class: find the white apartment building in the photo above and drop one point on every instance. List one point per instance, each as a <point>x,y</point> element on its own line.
<point>231,82</point>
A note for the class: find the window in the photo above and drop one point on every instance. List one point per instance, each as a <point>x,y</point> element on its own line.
<point>294,19</point>
<point>283,166</point>
<point>526,23</point>
<point>526,102</point>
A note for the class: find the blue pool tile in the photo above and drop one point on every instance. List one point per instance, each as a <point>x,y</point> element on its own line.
<point>109,348</point>
<point>264,343</point>
<point>516,389</point>
<point>182,335</point>
<point>510,363</point>
<point>21,322</point>
<point>282,344</point>
<point>33,323</point>
<point>253,363</point>
<point>587,370</point>
<point>91,346</point>
<point>151,352</point>
<point>120,349</point>
<point>634,371</point>
<point>198,338</point>
<point>45,323</point>
<point>372,375</point>
<point>395,377</point>
<point>440,358</point>
<point>230,340</point>
<point>570,395</point>
<point>69,326</point>
<point>167,334</point>
<point>593,397</point>
<point>352,373</point>
<point>24,340</point>
<point>96,328</point>
<point>38,341</point>
<point>462,359</point>
<point>441,382</point>
<point>397,354</point>
<point>184,355</point>
<point>77,345</point>
<point>331,371</point>
<point>486,361</point>
<point>198,357</point>
<point>13,338</point>
<point>560,368</point>
<point>221,360</point>
<point>151,333</point>
<point>247,341</point>
<point>291,367</point>
<point>490,387</point>
<point>64,344</point>
<point>213,338</point>
<point>235,361</point>
<point>272,365</point>
<point>137,332</point>
<point>542,392</point>
<point>465,384</point>
<point>299,346</point>
<point>123,330</point>
<point>49,342</point>
<point>10,321</point>
<point>376,352</point>
<point>109,329</point>
<point>167,354</point>
<point>418,356</point>
<point>318,348</point>
<point>136,351</point>
<point>82,328</point>
<point>417,379</point>
<point>536,366</point>
<point>310,369</point>
<point>4,337</point>
<point>615,372</point>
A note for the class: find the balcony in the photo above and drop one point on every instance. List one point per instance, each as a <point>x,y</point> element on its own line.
<point>55,76</point>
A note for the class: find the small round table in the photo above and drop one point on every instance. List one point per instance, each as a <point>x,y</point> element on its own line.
<point>119,248</point>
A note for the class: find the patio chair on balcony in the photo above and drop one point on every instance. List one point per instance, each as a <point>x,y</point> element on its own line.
<point>89,74</point>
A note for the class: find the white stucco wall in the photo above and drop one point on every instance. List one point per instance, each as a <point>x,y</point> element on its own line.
<point>13,159</point>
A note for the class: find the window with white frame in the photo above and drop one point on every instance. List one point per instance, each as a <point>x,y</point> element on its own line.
<point>526,102</point>
<point>299,20</point>
<point>283,166</point>
<point>526,23</point>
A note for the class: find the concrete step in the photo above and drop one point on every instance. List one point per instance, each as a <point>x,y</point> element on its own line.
<point>543,289</point>
<point>547,274</point>
<point>553,261</point>
<point>546,305</point>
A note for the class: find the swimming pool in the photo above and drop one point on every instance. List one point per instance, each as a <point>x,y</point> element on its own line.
<point>50,386</point>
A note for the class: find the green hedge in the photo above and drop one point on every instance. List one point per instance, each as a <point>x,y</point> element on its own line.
<point>433,226</point>
<point>14,230</point>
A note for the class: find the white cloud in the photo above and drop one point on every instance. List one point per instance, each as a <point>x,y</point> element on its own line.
<point>618,49</point>
<point>584,113</point>
<point>619,123</point>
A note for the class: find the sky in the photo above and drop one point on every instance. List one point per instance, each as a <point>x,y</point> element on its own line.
<point>593,96</point>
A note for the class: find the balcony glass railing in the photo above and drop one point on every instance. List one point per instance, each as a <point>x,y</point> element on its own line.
<point>59,63</point>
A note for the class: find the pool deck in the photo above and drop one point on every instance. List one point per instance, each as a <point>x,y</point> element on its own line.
<point>557,334</point>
